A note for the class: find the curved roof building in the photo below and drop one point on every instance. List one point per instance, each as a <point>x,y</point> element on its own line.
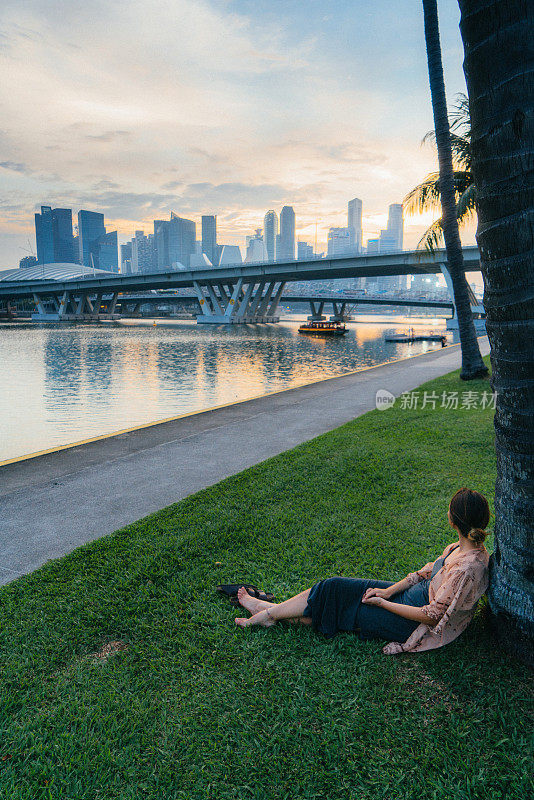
<point>54,272</point>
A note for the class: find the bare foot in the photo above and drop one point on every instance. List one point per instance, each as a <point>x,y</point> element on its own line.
<point>252,604</point>
<point>261,618</point>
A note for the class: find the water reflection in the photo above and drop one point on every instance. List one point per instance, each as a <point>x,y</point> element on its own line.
<point>61,384</point>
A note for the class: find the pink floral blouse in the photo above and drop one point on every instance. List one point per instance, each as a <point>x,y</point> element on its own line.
<point>453,595</point>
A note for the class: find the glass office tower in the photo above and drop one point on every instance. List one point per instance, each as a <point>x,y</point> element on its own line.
<point>90,229</point>
<point>287,235</point>
<point>270,233</point>
<point>175,242</point>
<point>53,236</point>
<point>107,252</point>
<point>209,237</point>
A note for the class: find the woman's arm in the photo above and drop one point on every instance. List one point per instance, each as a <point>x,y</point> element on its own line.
<point>400,586</point>
<point>408,612</point>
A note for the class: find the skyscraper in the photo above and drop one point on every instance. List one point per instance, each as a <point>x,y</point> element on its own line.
<point>97,248</point>
<point>107,252</point>
<point>63,236</point>
<point>339,241</point>
<point>391,239</point>
<point>126,258</point>
<point>304,251</point>
<point>90,228</point>
<point>143,253</point>
<point>175,242</point>
<point>373,247</point>
<point>209,237</point>
<point>53,235</point>
<point>256,251</point>
<point>44,236</point>
<point>355,224</point>
<point>287,235</point>
<point>270,232</point>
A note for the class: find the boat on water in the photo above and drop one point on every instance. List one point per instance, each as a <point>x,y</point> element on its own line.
<point>411,336</point>
<point>323,328</point>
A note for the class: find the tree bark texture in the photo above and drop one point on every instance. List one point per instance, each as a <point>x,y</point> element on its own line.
<point>498,38</point>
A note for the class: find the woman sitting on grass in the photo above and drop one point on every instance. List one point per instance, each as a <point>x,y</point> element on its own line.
<point>426,609</point>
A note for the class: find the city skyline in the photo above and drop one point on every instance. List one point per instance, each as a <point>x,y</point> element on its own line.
<point>174,242</point>
<point>285,116</point>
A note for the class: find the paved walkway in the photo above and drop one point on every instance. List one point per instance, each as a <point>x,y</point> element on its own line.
<point>56,502</point>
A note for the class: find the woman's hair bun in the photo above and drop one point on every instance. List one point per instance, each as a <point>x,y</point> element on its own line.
<point>477,535</point>
<point>470,514</point>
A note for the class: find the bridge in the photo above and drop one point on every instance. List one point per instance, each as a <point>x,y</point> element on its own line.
<point>131,304</point>
<point>229,294</point>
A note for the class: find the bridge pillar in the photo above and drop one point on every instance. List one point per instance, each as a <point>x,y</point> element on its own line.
<point>67,305</point>
<point>97,304</point>
<point>266,299</point>
<point>255,303</point>
<point>235,301</point>
<point>478,311</point>
<point>112,303</point>
<point>339,312</point>
<point>316,311</point>
<point>72,308</point>
<point>43,311</point>
<point>216,306</point>
<point>242,302</point>
<point>38,304</point>
<point>276,299</point>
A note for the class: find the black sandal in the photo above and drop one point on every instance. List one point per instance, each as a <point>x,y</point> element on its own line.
<point>230,590</point>
<point>267,596</point>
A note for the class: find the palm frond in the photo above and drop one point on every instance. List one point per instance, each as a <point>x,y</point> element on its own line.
<point>425,196</point>
<point>460,128</point>
<point>465,210</point>
<point>432,238</point>
<point>460,146</point>
<point>461,151</point>
<point>430,136</point>
<point>465,207</point>
<point>460,116</point>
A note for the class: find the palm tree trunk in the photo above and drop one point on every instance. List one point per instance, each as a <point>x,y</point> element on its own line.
<point>472,364</point>
<point>498,38</point>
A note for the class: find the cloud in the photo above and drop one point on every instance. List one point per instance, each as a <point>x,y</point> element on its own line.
<point>339,153</point>
<point>108,136</point>
<point>230,195</point>
<point>105,184</point>
<point>216,106</point>
<point>125,205</point>
<point>15,167</point>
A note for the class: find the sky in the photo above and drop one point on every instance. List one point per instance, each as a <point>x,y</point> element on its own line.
<point>137,109</point>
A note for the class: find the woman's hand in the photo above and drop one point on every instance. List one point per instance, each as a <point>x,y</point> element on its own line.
<point>384,593</point>
<point>372,600</point>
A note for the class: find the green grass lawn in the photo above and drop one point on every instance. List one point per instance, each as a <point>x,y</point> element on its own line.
<point>195,708</point>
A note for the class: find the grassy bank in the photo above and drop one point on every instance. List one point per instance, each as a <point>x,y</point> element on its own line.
<point>191,707</point>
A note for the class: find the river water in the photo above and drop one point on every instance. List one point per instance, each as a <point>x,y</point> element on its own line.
<point>61,384</point>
